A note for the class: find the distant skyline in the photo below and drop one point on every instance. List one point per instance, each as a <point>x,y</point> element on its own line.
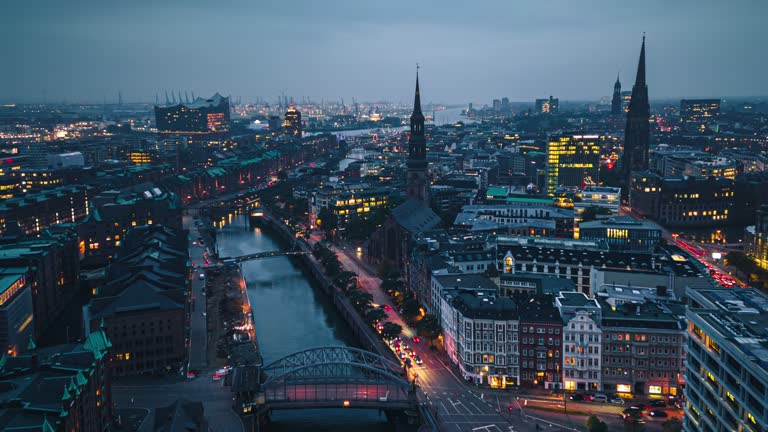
<point>89,50</point>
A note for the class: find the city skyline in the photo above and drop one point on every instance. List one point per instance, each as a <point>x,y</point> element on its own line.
<point>486,52</point>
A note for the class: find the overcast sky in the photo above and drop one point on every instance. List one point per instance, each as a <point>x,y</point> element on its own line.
<point>472,50</point>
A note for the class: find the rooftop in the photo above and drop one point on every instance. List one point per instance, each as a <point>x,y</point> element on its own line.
<point>740,316</point>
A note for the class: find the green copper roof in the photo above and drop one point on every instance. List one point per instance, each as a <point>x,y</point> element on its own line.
<point>497,192</point>
<point>66,395</point>
<point>98,343</point>
<point>80,378</point>
<point>31,345</point>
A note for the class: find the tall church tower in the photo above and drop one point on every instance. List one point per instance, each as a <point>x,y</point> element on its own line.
<point>616,102</point>
<point>417,182</point>
<point>637,135</point>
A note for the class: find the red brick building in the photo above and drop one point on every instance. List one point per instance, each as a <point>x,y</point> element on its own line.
<point>541,343</point>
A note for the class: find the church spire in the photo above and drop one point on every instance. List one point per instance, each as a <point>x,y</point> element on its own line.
<point>417,99</point>
<point>640,79</point>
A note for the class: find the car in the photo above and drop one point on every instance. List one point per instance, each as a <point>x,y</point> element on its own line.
<point>616,400</point>
<point>416,339</point>
<point>191,375</point>
<point>418,360</point>
<point>223,371</point>
<point>202,275</point>
<point>633,420</point>
<point>658,413</point>
<point>600,397</point>
<point>403,355</point>
<point>386,307</point>
<point>640,407</point>
<point>576,397</point>
<point>216,377</point>
<point>657,403</point>
<point>631,411</point>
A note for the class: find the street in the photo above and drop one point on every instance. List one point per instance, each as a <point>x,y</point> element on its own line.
<point>198,340</point>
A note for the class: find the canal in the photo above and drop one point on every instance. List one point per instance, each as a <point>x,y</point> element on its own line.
<point>291,316</point>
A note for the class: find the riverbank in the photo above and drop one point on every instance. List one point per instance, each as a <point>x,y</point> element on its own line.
<point>231,335</point>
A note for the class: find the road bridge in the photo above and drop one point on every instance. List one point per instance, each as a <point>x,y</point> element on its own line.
<point>336,377</point>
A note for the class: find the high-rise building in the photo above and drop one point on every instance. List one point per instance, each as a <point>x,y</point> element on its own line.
<point>638,132</point>
<point>572,160</point>
<point>616,102</point>
<point>760,243</point>
<point>496,105</point>
<point>727,381</point>
<point>505,104</point>
<point>417,184</point>
<point>292,122</point>
<point>547,106</point>
<point>202,116</point>
<point>698,113</point>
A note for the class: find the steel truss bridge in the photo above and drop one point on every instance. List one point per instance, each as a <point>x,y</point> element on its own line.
<point>253,256</point>
<point>336,377</point>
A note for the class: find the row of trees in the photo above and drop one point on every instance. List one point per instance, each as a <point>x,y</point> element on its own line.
<point>427,326</point>
<point>346,281</point>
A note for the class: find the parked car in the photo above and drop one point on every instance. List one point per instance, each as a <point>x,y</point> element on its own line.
<point>216,377</point>
<point>577,397</point>
<point>418,360</point>
<point>600,398</point>
<point>616,400</point>
<point>658,413</point>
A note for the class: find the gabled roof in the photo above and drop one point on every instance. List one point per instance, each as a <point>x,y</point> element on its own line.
<point>414,216</point>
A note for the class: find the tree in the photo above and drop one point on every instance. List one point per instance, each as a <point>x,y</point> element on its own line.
<point>594,424</point>
<point>391,330</point>
<point>374,315</point>
<point>327,220</point>
<point>410,307</point>
<point>428,327</point>
<point>345,280</point>
<point>672,425</point>
<point>361,300</point>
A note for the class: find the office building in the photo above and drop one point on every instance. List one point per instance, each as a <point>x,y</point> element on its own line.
<point>51,267</point>
<point>208,117</point>
<point>683,201</point>
<point>535,221</point>
<point>572,160</point>
<point>547,106</point>
<point>727,388</point>
<point>622,233</point>
<point>292,122</point>
<point>759,246</point>
<point>16,310</point>
<point>637,135</point>
<point>607,199</point>
<point>699,113</point>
